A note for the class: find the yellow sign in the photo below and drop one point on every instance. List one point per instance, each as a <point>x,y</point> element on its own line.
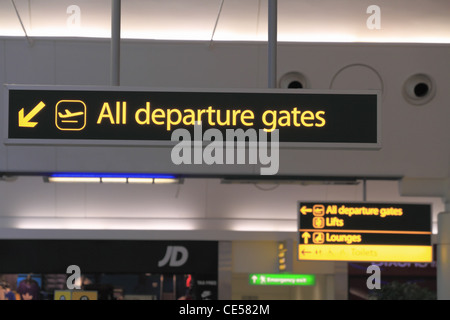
<point>364,232</point>
<point>84,295</point>
<point>367,253</point>
<point>75,295</point>
<point>63,295</point>
<point>282,256</point>
<point>285,256</point>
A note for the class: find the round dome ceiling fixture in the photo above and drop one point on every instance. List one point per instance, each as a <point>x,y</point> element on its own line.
<point>293,80</point>
<point>419,89</point>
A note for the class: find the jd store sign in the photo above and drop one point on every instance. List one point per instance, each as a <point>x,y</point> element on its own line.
<point>176,256</point>
<point>186,257</point>
<point>110,256</point>
<point>199,259</point>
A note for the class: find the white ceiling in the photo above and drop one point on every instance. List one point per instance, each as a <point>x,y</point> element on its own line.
<point>420,21</point>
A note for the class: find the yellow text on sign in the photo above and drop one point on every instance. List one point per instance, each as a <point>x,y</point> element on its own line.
<point>370,253</point>
<point>120,116</point>
<point>171,117</point>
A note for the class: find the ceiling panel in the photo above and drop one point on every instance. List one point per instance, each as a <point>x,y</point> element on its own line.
<point>306,20</point>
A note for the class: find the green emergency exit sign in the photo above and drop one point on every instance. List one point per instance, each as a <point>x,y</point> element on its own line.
<point>282,279</point>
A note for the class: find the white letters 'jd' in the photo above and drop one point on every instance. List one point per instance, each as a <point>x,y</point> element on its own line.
<point>172,255</point>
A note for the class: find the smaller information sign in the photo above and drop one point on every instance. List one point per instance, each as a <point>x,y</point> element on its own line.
<point>365,231</point>
<point>282,279</point>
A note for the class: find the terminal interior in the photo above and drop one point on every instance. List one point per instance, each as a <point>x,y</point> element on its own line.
<point>132,240</point>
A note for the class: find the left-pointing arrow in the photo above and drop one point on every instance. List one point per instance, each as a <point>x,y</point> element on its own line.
<point>304,210</point>
<point>24,121</point>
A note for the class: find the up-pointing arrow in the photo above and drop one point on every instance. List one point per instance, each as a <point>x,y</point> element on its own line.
<point>306,237</point>
<point>24,121</point>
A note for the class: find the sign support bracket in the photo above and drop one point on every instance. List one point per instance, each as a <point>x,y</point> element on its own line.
<point>272,43</point>
<point>115,42</point>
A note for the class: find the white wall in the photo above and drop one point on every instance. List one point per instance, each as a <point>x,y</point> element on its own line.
<point>196,209</point>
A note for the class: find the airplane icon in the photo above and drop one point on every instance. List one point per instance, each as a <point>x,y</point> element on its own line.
<point>69,114</point>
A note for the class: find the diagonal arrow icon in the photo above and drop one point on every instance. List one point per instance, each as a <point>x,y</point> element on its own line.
<point>25,120</point>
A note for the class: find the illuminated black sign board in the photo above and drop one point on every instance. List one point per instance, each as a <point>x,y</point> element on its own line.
<point>364,231</point>
<point>111,256</point>
<point>123,114</point>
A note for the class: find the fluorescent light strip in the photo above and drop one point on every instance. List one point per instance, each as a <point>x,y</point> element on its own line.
<point>112,175</point>
<point>165,180</point>
<point>74,179</point>
<point>140,180</point>
<point>113,178</point>
<point>104,224</point>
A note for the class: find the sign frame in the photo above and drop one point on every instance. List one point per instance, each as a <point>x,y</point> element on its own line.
<point>327,246</point>
<point>162,143</point>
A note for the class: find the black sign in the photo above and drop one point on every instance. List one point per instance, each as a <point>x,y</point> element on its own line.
<point>364,223</point>
<point>109,256</point>
<point>89,115</point>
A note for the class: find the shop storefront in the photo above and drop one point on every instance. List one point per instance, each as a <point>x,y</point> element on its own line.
<point>110,269</point>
